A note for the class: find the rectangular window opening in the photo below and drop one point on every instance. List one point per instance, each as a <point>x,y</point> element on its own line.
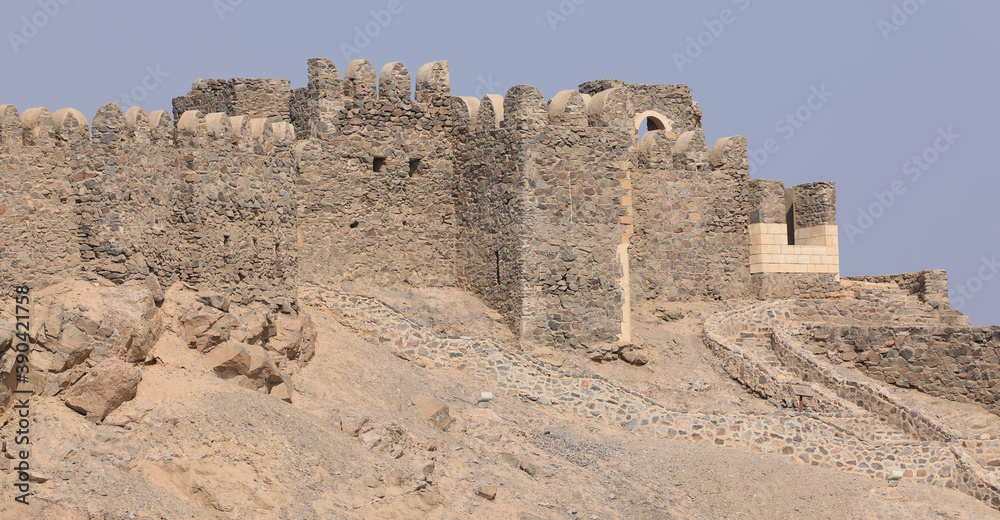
<point>414,167</point>
<point>790,222</point>
<point>378,164</point>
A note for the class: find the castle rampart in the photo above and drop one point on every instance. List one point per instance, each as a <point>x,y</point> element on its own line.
<point>554,211</point>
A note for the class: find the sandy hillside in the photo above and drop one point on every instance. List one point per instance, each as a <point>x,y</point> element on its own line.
<point>353,445</point>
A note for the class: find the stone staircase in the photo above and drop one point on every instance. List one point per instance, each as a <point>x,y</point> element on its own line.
<point>757,346</point>
<point>826,441</point>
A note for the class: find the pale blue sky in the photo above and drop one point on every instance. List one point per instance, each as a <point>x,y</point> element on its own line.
<point>893,88</point>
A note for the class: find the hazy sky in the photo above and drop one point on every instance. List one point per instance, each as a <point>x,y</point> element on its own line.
<point>894,101</point>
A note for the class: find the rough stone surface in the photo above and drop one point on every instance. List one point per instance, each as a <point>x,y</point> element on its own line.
<point>104,388</point>
<point>555,213</point>
<point>434,410</point>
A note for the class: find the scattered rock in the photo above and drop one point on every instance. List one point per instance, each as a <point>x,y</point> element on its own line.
<point>355,425</point>
<point>372,479</point>
<point>203,327</point>
<point>489,436</point>
<point>215,300</point>
<point>511,460</point>
<point>528,468</point>
<point>282,391</point>
<point>294,337</point>
<point>604,352</point>
<point>487,492</point>
<point>229,360</point>
<point>154,287</point>
<point>434,410</point>
<point>671,315</point>
<point>633,356</point>
<point>107,385</point>
<point>252,329</point>
<point>6,332</point>
<point>387,440</point>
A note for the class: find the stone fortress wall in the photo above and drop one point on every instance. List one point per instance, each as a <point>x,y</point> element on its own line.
<point>552,210</point>
<point>207,201</point>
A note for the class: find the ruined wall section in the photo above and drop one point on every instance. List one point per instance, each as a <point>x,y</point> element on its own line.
<point>930,285</point>
<point>376,185</point>
<point>201,204</point>
<point>252,97</point>
<point>38,221</point>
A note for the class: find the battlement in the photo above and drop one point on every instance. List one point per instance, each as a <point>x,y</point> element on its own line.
<point>381,176</point>
<point>793,230</point>
<point>68,127</point>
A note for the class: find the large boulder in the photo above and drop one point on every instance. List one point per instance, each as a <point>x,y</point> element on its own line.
<point>109,384</point>
<point>203,327</point>
<point>76,324</point>
<point>294,337</point>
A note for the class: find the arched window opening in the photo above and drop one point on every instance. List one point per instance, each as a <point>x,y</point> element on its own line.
<point>648,121</point>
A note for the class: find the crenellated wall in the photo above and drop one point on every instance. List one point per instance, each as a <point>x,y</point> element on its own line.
<point>376,180</point>
<point>553,211</point>
<point>208,201</point>
<point>794,246</point>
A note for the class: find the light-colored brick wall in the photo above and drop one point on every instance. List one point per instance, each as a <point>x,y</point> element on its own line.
<point>816,249</point>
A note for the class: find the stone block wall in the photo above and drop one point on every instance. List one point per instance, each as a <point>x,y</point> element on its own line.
<point>489,211</point>
<point>376,180</point>
<point>961,364</point>
<point>542,199</point>
<point>38,219</point>
<point>252,97</point>
<point>691,239</point>
<point>208,201</point>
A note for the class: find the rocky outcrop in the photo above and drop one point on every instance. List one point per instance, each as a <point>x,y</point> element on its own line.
<point>85,333</point>
<point>250,346</point>
<point>104,388</point>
